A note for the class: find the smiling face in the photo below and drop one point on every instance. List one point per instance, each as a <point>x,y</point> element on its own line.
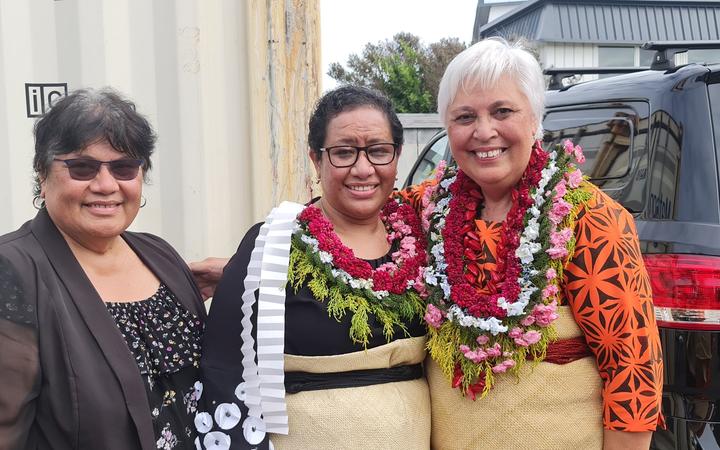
<point>491,133</point>
<point>358,192</point>
<point>95,211</point>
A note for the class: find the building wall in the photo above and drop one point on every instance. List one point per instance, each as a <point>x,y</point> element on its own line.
<point>500,10</point>
<point>227,84</point>
<point>568,55</point>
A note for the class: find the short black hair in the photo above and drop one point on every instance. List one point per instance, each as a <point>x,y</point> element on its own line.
<point>87,116</point>
<point>346,98</point>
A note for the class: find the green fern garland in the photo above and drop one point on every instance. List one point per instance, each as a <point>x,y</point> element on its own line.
<point>392,311</point>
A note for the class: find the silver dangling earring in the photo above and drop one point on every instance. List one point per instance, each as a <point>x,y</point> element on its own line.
<point>38,202</point>
<point>143,201</point>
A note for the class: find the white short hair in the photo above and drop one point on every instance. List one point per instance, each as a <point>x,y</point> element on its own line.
<point>483,64</point>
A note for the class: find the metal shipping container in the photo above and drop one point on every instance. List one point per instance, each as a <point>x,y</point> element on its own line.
<point>227,85</point>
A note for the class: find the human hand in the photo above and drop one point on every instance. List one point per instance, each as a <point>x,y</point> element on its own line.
<point>207,274</point>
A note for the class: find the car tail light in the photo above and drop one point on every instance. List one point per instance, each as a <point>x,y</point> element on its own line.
<point>686,290</point>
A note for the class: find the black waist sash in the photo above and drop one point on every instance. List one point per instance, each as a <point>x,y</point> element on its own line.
<point>305,381</point>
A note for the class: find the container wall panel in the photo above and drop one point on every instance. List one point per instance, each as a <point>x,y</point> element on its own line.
<point>187,64</point>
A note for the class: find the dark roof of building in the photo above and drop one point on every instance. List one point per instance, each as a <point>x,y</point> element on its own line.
<point>609,21</point>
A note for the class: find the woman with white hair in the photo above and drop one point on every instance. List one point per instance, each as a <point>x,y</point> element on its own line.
<point>542,333</point>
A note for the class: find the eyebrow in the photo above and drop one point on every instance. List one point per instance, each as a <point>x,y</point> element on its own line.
<point>495,104</point>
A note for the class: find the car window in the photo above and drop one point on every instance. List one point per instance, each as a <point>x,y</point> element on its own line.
<point>613,138</point>
<point>665,164</point>
<point>714,94</point>
<point>429,159</point>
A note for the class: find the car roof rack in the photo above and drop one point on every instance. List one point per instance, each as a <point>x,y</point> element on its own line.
<point>558,74</point>
<point>665,51</point>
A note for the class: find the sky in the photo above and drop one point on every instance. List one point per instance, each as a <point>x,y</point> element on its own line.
<point>347,25</point>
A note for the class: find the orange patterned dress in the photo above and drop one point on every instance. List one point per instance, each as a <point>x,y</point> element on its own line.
<point>607,289</point>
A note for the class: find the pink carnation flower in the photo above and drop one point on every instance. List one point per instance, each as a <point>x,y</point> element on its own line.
<point>440,170</point>
<point>560,190</point>
<point>503,366</point>
<point>549,291</point>
<point>433,316</point>
<point>532,337</point>
<point>529,320</point>
<point>482,339</point>
<point>545,314</point>
<point>569,147</point>
<point>515,332</point>
<point>557,252</point>
<point>477,356</point>
<point>550,274</point>
<point>574,178</point>
<point>560,238</point>
<point>579,155</point>
<point>560,209</point>
<point>494,351</point>
<point>500,368</point>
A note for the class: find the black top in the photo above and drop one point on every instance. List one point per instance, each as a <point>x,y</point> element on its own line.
<point>309,331</point>
<point>164,338</point>
<point>69,381</point>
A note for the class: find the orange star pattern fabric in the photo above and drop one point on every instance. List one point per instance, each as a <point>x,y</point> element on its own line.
<point>608,290</point>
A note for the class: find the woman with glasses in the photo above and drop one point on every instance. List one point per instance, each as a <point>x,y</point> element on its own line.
<point>99,327</point>
<point>327,352</point>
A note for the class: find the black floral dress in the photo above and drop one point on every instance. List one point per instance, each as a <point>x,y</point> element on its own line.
<point>165,339</point>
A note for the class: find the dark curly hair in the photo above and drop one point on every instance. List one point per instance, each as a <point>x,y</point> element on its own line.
<point>88,116</point>
<point>347,98</point>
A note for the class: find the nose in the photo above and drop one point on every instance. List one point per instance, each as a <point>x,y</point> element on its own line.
<point>104,182</point>
<point>363,168</point>
<point>484,129</point>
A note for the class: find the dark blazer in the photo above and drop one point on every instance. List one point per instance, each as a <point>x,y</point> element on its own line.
<point>68,378</point>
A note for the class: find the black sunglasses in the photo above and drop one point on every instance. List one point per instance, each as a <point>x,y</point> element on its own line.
<point>84,169</point>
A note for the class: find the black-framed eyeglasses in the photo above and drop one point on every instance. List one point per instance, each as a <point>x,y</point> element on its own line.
<point>85,169</point>
<point>379,154</point>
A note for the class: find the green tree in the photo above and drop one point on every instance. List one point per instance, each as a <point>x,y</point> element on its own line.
<point>405,70</point>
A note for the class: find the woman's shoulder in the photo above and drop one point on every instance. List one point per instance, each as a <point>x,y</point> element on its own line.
<point>21,250</point>
<point>14,238</point>
<point>245,248</point>
<point>148,243</point>
<point>600,202</point>
<point>602,216</point>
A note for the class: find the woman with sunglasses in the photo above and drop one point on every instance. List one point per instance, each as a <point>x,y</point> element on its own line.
<point>99,327</point>
<point>330,353</point>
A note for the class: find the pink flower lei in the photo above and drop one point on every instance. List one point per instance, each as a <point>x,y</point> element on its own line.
<point>475,335</point>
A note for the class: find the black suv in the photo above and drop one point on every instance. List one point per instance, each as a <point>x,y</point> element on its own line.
<point>652,142</point>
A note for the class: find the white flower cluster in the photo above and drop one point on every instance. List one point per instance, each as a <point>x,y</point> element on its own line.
<point>492,324</point>
<point>435,275</point>
<point>529,244</point>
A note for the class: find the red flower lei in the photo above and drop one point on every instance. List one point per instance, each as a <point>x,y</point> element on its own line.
<point>402,225</point>
<point>462,248</point>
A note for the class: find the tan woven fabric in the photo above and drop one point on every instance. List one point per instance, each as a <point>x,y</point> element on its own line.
<point>551,407</point>
<point>382,416</point>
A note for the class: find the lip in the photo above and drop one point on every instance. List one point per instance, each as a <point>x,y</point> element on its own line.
<point>488,153</point>
<point>102,207</point>
<point>362,190</point>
